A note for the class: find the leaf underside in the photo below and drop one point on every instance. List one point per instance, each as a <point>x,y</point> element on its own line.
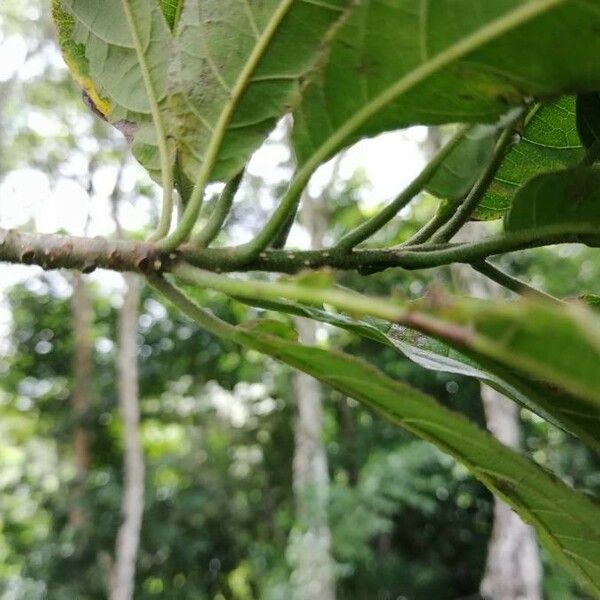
<point>216,42</point>
<point>396,64</point>
<point>102,28</point>
<point>457,174</point>
<point>222,78</point>
<point>222,72</point>
<point>552,401</point>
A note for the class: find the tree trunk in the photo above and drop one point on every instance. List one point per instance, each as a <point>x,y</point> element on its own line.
<point>513,568</point>
<point>80,398</point>
<point>132,506</point>
<point>310,544</point>
<point>312,575</point>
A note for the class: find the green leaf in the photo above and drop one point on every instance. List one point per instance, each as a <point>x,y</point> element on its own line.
<point>172,11</point>
<point>588,118</point>
<point>554,404</point>
<point>238,67</point>
<point>457,174</point>
<point>591,300</point>
<point>569,199</point>
<point>110,48</point>
<point>74,56</point>
<point>234,69</point>
<point>567,523</point>
<point>557,406</point>
<point>399,63</point>
<point>280,329</point>
<point>466,163</point>
<point>523,343</point>
<point>373,329</point>
<point>549,142</point>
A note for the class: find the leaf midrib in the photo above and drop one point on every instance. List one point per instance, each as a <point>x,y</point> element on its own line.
<point>153,100</point>
<point>261,46</point>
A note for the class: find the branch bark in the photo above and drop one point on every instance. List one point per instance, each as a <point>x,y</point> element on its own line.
<point>86,254</point>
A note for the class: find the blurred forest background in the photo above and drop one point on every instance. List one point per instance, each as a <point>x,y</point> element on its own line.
<point>258,484</point>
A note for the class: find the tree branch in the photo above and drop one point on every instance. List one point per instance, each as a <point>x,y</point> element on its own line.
<point>440,218</point>
<point>86,254</point>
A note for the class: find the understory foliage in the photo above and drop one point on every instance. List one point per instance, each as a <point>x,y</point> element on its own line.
<point>197,85</point>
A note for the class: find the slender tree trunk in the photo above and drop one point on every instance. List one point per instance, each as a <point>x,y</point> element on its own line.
<point>122,584</point>
<point>310,544</point>
<point>132,506</point>
<point>513,568</point>
<point>312,575</point>
<point>80,398</point>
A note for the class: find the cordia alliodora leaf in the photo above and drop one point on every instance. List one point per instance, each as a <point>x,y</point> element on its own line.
<point>591,300</point>
<point>567,523</point>
<point>172,11</point>
<point>457,174</point>
<point>110,49</point>
<point>549,142</point>
<point>235,69</point>
<point>84,20</point>
<point>395,64</point>
<point>553,403</point>
<point>569,199</point>
<point>524,344</point>
<point>239,67</point>
<point>74,56</point>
